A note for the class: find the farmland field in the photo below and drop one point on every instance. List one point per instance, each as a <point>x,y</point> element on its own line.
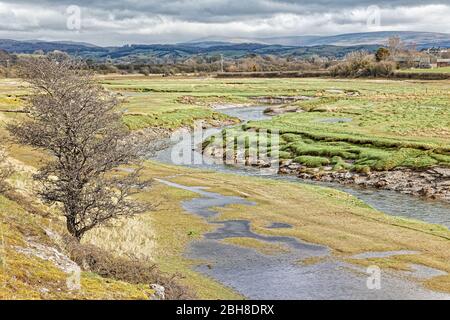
<point>360,125</point>
<point>347,124</point>
<point>434,70</point>
<point>385,124</point>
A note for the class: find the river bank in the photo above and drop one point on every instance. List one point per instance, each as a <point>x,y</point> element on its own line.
<point>432,183</point>
<point>246,212</point>
<point>276,238</point>
<point>429,183</point>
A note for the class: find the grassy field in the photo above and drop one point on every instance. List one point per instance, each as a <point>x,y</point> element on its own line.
<point>434,70</point>
<point>365,124</point>
<point>386,124</point>
<point>387,117</point>
<point>330,218</point>
<point>27,276</point>
<point>318,215</point>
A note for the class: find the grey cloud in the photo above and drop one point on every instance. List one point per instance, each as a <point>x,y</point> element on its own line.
<point>119,21</point>
<point>225,10</point>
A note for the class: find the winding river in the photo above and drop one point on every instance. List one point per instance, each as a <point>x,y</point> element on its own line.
<point>390,202</point>
<point>257,275</point>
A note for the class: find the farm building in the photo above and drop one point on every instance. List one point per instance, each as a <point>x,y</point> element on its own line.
<point>443,63</point>
<point>413,62</point>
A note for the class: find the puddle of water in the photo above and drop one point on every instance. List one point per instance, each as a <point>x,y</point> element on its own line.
<point>241,229</point>
<point>247,114</point>
<point>279,225</point>
<point>259,276</point>
<point>202,206</point>
<point>424,272</point>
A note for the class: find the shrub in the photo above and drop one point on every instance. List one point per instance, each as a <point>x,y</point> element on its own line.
<point>132,270</point>
<point>6,171</point>
<point>311,161</point>
<point>361,64</point>
<point>382,54</point>
<point>381,69</point>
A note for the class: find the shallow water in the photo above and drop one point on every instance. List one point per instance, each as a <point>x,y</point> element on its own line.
<point>246,113</point>
<point>382,254</point>
<point>283,276</point>
<point>279,225</point>
<point>259,276</point>
<point>390,202</point>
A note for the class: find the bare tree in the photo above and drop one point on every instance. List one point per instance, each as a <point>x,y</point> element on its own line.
<point>74,119</point>
<point>395,45</point>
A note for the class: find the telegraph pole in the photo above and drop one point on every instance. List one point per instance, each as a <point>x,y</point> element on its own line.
<point>221,63</point>
<point>7,68</point>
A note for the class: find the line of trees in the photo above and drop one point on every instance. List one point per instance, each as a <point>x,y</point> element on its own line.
<point>201,64</point>
<point>395,52</point>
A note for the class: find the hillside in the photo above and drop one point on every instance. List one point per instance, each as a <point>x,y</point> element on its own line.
<point>300,46</point>
<point>422,39</point>
<point>179,51</point>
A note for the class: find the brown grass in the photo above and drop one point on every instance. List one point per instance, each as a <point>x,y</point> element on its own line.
<point>130,270</point>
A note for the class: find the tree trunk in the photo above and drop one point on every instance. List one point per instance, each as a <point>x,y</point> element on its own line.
<point>70,221</point>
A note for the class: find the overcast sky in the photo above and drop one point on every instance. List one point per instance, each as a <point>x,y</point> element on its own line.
<point>153,21</point>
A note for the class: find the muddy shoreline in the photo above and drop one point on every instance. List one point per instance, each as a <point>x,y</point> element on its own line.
<point>431,183</point>
<point>285,274</point>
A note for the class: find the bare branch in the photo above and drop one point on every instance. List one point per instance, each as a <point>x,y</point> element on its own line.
<point>74,119</point>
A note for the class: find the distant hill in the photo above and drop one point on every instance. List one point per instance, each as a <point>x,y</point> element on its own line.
<point>175,51</point>
<point>31,46</point>
<point>351,39</point>
<point>410,37</point>
<point>300,46</point>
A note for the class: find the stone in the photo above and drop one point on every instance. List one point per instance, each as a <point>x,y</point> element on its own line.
<point>444,172</point>
<point>294,166</point>
<point>160,292</point>
<point>285,163</point>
